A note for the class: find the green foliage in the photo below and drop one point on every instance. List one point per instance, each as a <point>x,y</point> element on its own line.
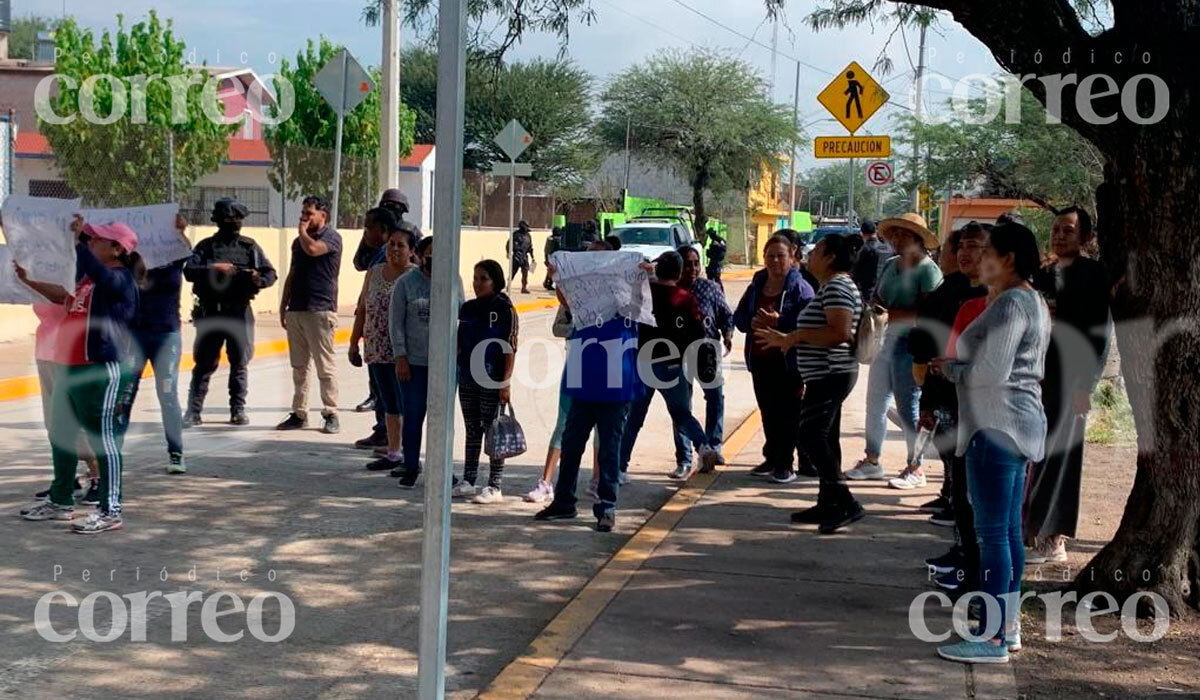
<point>551,99</point>
<point>126,163</point>
<point>1049,164</point>
<point>520,18</point>
<point>309,137</point>
<point>1111,419</point>
<point>22,42</point>
<point>701,113</point>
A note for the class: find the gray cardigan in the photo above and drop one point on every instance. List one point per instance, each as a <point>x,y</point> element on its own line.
<point>409,322</point>
<point>998,374</point>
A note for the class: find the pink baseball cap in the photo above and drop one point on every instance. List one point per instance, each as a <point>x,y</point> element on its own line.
<point>116,231</point>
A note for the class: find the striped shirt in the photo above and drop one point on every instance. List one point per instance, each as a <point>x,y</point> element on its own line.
<point>813,362</point>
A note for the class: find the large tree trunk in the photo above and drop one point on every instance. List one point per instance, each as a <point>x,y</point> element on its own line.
<point>1149,243</point>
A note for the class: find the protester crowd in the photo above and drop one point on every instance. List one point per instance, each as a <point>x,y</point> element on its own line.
<point>986,354</point>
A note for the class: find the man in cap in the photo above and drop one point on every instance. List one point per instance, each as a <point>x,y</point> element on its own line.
<point>226,270</point>
<point>370,251</point>
<point>522,254</point>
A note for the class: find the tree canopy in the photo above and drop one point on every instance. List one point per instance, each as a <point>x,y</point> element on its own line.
<point>127,163</point>
<point>1046,163</point>
<point>702,114</point>
<point>307,139</point>
<point>551,99</point>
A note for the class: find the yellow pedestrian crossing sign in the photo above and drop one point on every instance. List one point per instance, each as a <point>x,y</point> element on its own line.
<point>853,97</point>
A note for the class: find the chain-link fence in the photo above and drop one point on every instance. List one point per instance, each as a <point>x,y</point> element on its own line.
<point>132,165</point>
<point>8,138</point>
<point>300,171</point>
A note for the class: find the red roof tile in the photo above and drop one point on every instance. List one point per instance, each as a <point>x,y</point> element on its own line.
<point>31,143</point>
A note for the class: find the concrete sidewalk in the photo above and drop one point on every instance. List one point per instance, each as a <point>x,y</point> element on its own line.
<point>736,602</point>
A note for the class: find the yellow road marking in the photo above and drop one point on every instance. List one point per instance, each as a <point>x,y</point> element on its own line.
<point>17,388</point>
<point>526,673</point>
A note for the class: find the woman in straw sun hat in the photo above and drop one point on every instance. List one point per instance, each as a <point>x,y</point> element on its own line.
<point>905,280</point>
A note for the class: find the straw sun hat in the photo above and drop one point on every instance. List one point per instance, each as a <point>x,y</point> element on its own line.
<point>913,223</point>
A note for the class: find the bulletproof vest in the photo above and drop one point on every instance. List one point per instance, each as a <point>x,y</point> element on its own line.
<point>219,288</point>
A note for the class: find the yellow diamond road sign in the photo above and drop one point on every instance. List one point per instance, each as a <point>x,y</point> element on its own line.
<point>853,97</point>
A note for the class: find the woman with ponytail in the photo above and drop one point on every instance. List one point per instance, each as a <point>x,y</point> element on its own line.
<point>93,344</point>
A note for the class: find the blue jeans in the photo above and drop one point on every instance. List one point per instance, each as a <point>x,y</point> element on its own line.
<point>996,487</point>
<point>609,421</point>
<point>414,397</point>
<point>891,375</point>
<point>678,397</point>
<point>162,351</point>
<point>386,388</point>
<point>714,423</point>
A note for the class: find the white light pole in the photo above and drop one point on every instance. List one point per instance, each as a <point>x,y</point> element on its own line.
<point>389,117</point>
<point>443,331</point>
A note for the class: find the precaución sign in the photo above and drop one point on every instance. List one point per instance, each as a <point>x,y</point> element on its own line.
<point>852,147</point>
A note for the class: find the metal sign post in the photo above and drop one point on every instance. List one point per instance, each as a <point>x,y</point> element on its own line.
<point>337,150</point>
<point>344,84</point>
<point>443,327</point>
<point>513,139</point>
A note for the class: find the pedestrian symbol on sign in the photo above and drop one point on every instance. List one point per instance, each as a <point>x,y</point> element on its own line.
<point>853,89</point>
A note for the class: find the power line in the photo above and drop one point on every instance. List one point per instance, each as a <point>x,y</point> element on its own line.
<point>749,39</point>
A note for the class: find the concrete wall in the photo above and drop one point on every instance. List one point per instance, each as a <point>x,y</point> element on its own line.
<point>18,322</point>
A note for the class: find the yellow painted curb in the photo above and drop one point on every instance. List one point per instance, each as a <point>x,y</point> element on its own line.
<point>739,274</point>
<point>17,388</point>
<point>526,673</point>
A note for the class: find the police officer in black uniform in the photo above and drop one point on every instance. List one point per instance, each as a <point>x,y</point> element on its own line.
<point>226,270</point>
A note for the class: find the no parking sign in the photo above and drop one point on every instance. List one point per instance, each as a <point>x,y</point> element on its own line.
<point>879,173</point>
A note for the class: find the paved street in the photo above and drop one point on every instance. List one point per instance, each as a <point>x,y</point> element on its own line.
<point>343,543</point>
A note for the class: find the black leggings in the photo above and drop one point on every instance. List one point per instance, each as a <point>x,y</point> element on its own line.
<point>776,389</point>
<point>820,434</point>
<point>479,408</point>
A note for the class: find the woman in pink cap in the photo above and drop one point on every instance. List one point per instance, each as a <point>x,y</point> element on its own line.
<point>93,340</point>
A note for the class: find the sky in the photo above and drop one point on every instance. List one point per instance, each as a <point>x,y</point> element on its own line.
<point>233,32</point>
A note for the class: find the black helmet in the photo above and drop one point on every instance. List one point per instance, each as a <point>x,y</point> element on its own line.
<point>394,198</point>
<point>228,208</point>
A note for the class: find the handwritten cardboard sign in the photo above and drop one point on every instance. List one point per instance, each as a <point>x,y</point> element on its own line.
<point>13,290</point>
<point>37,231</point>
<point>602,285</point>
<point>159,242</point>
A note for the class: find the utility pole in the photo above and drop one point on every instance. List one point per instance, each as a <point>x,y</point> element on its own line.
<point>850,195</point>
<point>389,113</point>
<point>443,339</point>
<point>628,149</point>
<point>918,109</point>
<point>795,143</point>
<point>774,58</point>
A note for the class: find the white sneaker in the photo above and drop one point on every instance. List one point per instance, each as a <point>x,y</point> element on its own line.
<point>682,471</point>
<point>623,478</point>
<point>908,480</point>
<point>864,470</point>
<point>489,494</point>
<point>1052,550</point>
<point>542,493</point>
<point>45,510</point>
<point>708,459</point>
<point>463,490</point>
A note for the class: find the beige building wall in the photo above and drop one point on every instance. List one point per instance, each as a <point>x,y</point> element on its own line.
<point>18,322</point>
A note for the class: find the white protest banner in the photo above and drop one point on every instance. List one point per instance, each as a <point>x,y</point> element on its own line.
<point>13,290</point>
<point>602,285</point>
<point>159,242</point>
<point>38,233</point>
